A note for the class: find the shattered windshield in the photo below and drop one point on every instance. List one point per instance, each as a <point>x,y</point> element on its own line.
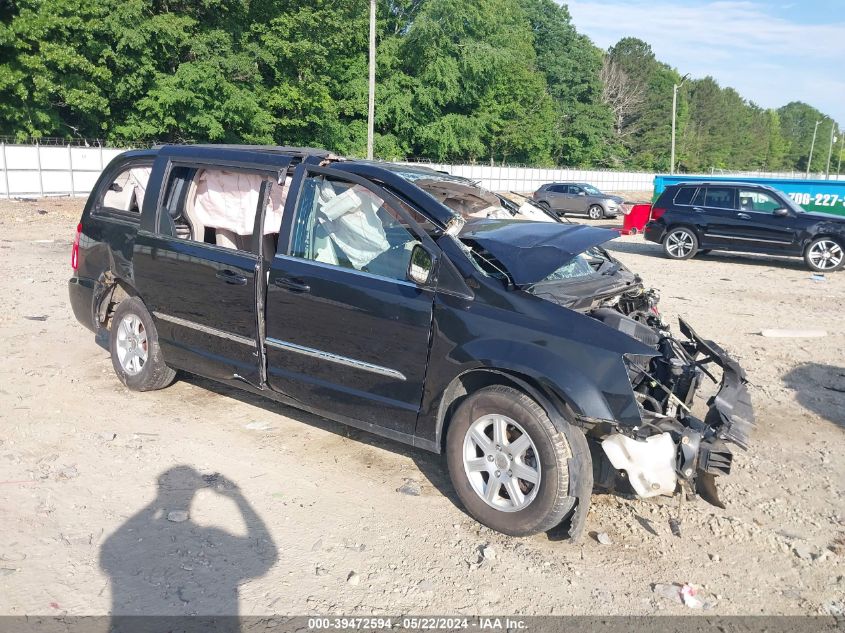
<point>593,260</point>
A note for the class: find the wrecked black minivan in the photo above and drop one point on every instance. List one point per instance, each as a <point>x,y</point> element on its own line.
<point>412,304</point>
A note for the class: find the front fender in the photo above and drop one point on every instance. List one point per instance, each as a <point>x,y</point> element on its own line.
<point>592,381</point>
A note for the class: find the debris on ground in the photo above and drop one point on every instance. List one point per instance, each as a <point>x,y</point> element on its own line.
<point>353,578</point>
<point>258,426</point>
<point>671,591</point>
<point>177,516</point>
<point>803,551</point>
<point>410,487</point>
<point>675,527</point>
<point>487,552</point>
<point>603,538</point>
<point>42,317</point>
<point>688,595</point>
<point>793,333</point>
<point>70,472</point>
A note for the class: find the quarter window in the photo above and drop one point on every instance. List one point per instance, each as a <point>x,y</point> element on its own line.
<point>125,193</point>
<point>684,196</point>
<point>348,225</point>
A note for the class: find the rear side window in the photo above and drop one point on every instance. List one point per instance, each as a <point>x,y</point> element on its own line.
<point>558,188</point>
<point>218,206</point>
<point>720,198</point>
<point>124,193</point>
<point>684,196</point>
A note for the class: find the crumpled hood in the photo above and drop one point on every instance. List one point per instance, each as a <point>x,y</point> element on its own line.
<point>531,251</point>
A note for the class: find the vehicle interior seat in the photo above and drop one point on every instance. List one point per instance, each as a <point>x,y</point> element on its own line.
<point>226,202</point>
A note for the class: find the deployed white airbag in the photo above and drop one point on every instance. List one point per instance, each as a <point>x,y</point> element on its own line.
<point>351,221</point>
<point>650,463</point>
<point>228,200</point>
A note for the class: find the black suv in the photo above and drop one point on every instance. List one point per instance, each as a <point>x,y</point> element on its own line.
<point>410,304</point>
<point>694,217</point>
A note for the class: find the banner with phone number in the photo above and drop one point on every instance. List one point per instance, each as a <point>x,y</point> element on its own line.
<point>815,196</point>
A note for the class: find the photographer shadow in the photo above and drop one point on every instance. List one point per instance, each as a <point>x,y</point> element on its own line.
<point>163,566</point>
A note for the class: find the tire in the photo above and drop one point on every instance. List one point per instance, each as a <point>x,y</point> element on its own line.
<point>595,212</point>
<point>705,251</point>
<point>546,456</point>
<point>825,255</point>
<point>135,352</point>
<point>680,243</point>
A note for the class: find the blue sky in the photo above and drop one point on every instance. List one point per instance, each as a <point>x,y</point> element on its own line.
<point>772,52</point>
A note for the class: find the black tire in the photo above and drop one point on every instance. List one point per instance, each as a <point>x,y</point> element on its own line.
<point>595,212</point>
<point>561,454</point>
<point>680,243</point>
<point>705,251</point>
<point>835,249</point>
<point>153,373</point>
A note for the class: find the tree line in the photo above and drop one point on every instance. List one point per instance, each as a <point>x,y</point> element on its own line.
<point>493,81</point>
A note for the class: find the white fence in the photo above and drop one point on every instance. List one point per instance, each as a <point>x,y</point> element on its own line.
<point>528,179</point>
<point>45,170</point>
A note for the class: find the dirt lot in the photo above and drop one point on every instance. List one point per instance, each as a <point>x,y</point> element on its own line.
<point>284,506</point>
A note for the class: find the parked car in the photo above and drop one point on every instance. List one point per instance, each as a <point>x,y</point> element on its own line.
<point>578,198</point>
<point>410,304</point>
<point>697,217</point>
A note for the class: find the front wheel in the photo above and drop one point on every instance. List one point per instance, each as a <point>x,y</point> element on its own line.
<point>595,212</point>
<point>824,255</point>
<point>680,243</point>
<point>135,352</point>
<point>512,468</point>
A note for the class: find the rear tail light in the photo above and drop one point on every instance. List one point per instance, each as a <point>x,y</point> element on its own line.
<point>74,253</point>
<point>657,212</point>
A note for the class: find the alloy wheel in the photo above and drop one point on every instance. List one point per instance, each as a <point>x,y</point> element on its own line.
<point>595,213</point>
<point>131,344</point>
<point>501,463</point>
<point>826,255</point>
<point>679,244</point>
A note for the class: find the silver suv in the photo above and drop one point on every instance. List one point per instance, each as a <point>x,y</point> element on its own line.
<point>578,198</point>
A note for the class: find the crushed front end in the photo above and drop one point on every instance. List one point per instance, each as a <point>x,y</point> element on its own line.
<point>673,446</point>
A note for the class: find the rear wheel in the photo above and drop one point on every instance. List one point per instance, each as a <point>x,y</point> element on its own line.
<point>680,243</point>
<point>595,212</point>
<point>511,467</point>
<point>824,255</point>
<point>135,352</point>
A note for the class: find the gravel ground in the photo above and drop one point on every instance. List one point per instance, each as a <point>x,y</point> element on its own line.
<point>202,499</point>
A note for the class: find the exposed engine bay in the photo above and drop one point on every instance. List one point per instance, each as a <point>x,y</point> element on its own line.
<point>665,386</point>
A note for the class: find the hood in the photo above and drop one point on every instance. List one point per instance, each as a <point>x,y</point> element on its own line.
<point>617,199</point>
<point>531,251</point>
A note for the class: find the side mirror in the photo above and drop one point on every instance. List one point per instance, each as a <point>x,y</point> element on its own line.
<point>582,193</point>
<point>780,212</point>
<point>421,265</point>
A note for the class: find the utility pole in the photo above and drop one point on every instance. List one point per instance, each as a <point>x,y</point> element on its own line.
<point>371,113</point>
<point>841,149</point>
<point>830,150</point>
<point>675,88</point>
<point>812,145</point>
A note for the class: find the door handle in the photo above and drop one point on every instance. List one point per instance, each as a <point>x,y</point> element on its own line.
<point>291,284</point>
<point>231,277</point>
<point>743,216</point>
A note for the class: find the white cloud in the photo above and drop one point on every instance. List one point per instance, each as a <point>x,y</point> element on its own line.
<point>767,59</point>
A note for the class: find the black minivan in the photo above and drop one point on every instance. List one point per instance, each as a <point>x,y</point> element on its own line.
<point>410,304</point>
